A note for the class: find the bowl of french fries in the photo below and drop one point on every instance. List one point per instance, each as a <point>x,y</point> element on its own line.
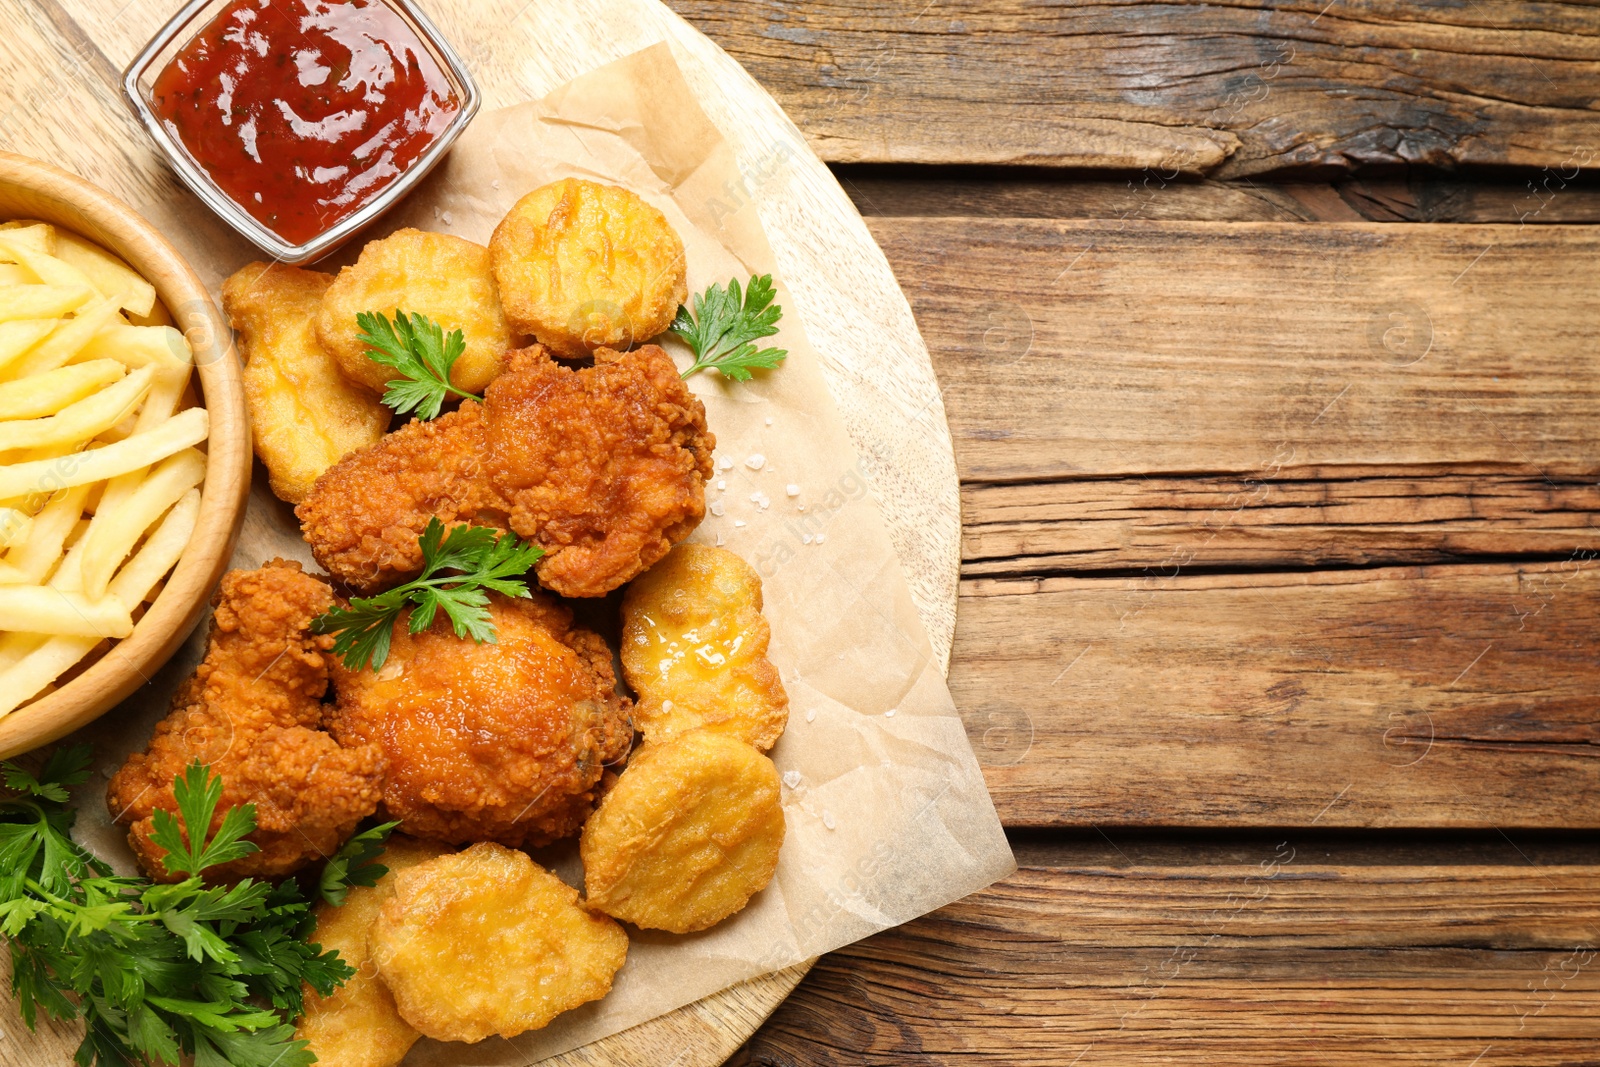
<point>124,451</point>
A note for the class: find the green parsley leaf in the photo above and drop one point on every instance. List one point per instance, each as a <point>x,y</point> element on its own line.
<point>198,794</point>
<point>66,767</point>
<point>725,325</point>
<point>354,864</point>
<point>417,347</point>
<point>479,561</point>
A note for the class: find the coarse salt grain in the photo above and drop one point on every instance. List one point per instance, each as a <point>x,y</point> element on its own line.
<point>799,507</point>
<point>791,779</point>
<point>716,508</point>
<point>720,542</point>
<point>724,463</point>
<point>805,539</point>
<point>769,420</point>
<point>821,538</point>
<point>792,489</point>
<point>495,184</point>
<point>765,502</point>
<point>721,484</point>
<point>666,707</point>
<point>811,714</point>
<point>755,461</point>
<point>890,713</point>
<point>738,522</point>
<point>446,218</point>
<point>827,818</point>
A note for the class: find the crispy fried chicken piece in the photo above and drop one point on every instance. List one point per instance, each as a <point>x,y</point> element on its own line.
<point>252,711</point>
<point>507,742</point>
<point>366,512</point>
<point>604,467</point>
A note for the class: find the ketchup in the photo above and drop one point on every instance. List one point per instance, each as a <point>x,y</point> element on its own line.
<point>303,111</point>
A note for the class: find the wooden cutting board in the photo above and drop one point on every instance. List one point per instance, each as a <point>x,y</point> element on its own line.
<point>61,102</point>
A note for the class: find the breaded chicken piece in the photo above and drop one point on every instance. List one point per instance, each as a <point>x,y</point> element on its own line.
<point>691,832</point>
<point>435,274</point>
<point>604,467</point>
<point>365,514</point>
<point>359,1026</point>
<point>694,649</point>
<point>582,266</point>
<point>251,711</point>
<point>304,414</point>
<point>507,742</point>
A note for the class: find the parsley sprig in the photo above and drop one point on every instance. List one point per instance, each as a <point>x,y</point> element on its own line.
<point>459,570</point>
<point>417,347</point>
<point>158,972</point>
<point>725,325</point>
<point>355,864</point>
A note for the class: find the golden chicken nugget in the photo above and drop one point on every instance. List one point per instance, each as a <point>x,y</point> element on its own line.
<point>303,412</point>
<point>443,277</point>
<point>687,836</point>
<point>694,649</point>
<point>359,1026</point>
<point>583,266</point>
<point>487,942</point>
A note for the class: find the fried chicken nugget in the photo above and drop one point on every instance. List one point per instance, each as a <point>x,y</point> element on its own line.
<point>583,266</point>
<point>445,278</point>
<point>694,649</point>
<point>688,835</point>
<point>252,711</point>
<point>487,942</point>
<point>359,1026</point>
<point>303,413</point>
<point>506,742</point>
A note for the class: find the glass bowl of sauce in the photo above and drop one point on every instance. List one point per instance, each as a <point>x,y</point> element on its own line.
<point>300,121</point>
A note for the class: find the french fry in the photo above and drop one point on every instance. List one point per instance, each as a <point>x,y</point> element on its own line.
<point>41,301</point>
<point>28,664</point>
<point>140,346</point>
<point>43,265</point>
<point>41,610</point>
<point>183,430</point>
<point>19,335</point>
<point>117,529</point>
<point>14,526</point>
<point>159,316</point>
<point>108,274</point>
<point>82,420</point>
<point>39,236</point>
<point>13,274</point>
<point>66,341</point>
<point>47,393</point>
<point>51,526</point>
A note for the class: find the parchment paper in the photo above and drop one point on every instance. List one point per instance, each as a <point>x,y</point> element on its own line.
<point>888,816</point>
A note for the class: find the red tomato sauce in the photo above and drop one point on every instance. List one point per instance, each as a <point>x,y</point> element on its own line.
<point>304,110</point>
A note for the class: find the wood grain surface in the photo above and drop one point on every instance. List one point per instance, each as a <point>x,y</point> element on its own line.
<point>1224,89</point>
<point>1091,349</point>
<point>60,70</point>
<point>1277,955</point>
<point>1539,198</point>
<point>1450,696</point>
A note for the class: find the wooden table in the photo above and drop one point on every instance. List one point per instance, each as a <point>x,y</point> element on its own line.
<point>1267,339</point>
<point>1267,335</point>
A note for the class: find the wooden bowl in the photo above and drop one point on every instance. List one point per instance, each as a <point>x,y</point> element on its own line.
<point>33,190</point>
